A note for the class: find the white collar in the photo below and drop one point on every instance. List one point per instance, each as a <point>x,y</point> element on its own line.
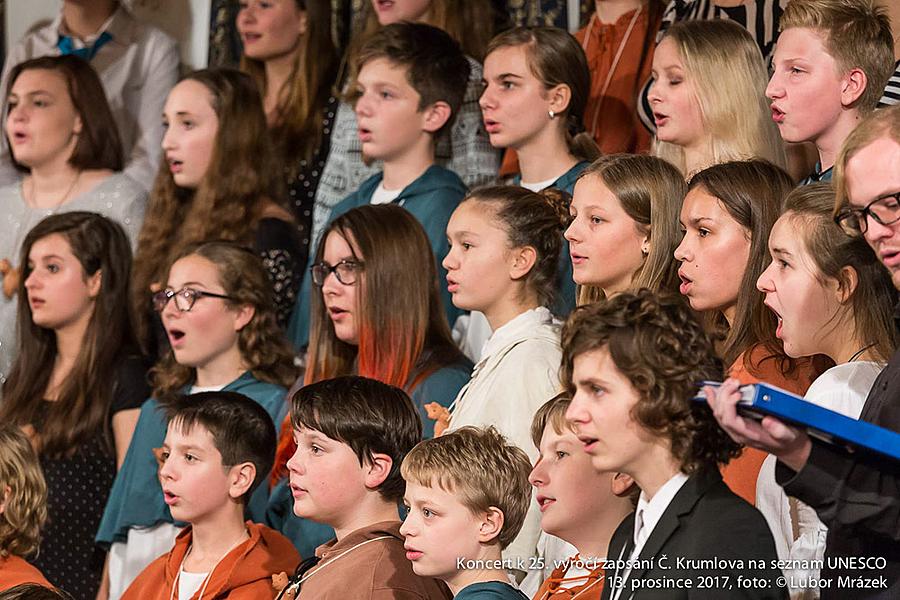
<point>523,326</point>
<point>654,508</point>
<point>118,25</point>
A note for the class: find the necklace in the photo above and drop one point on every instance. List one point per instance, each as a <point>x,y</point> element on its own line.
<point>859,352</point>
<point>32,201</point>
<point>612,68</point>
<point>295,585</point>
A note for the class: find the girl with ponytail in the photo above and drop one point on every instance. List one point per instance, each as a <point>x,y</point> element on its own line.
<point>504,250</point>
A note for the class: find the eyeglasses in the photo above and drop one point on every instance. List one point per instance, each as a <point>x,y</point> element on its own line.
<point>884,211</point>
<point>346,271</point>
<point>184,298</point>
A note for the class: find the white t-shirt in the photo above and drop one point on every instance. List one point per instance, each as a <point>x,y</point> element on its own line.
<point>540,185</point>
<point>384,196</point>
<point>189,583</point>
<point>197,389</point>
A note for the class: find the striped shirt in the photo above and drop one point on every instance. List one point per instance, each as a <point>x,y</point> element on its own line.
<point>892,90</point>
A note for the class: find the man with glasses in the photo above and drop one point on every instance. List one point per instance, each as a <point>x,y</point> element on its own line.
<point>856,495</point>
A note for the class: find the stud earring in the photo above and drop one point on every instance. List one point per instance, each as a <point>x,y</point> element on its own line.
<point>552,114</point>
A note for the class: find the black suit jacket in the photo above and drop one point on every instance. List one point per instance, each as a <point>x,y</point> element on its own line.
<point>703,543</point>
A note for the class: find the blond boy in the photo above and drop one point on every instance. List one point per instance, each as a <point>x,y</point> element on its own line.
<point>831,63</point>
<point>467,494</point>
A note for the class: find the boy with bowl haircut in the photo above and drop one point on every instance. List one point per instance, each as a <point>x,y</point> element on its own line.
<point>579,505</point>
<point>219,447</point>
<point>831,63</point>
<point>632,365</point>
<point>410,84</point>
<point>352,435</point>
<point>467,493</point>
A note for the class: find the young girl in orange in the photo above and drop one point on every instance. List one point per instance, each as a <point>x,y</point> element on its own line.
<point>23,508</point>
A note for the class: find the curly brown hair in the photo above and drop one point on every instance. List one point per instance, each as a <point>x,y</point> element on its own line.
<point>261,342</point>
<point>25,508</point>
<point>658,344</point>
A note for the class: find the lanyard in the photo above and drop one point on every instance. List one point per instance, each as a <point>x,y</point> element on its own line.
<point>613,66</point>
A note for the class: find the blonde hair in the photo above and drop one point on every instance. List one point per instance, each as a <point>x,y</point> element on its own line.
<point>481,468</point>
<point>25,509</point>
<point>857,34</point>
<point>884,123</point>
<point>650,191</point>
<point>735,111</point>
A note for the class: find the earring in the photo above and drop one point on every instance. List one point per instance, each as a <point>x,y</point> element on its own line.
<point>552,114</point>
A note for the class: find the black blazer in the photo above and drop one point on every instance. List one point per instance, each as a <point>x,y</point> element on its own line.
<point>704,522</point>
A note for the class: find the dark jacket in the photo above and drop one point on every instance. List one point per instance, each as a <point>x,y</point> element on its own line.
<point>707,538</point>
<point>858,497</point>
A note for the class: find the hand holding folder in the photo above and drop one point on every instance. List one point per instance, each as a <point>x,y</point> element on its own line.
<point>760,399</point>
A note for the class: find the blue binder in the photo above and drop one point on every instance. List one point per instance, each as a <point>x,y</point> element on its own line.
<point>760,399</point>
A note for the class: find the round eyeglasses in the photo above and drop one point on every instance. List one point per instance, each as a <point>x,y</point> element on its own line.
<point>346,271</point>
<point>184,298</point>
<point>884,211</point>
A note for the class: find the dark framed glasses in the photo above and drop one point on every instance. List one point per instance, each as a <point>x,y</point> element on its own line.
<point>884,211</point>
<point>184,298</point>
<point>347,271</point>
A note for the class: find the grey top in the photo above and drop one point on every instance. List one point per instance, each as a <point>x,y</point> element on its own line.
<point>118,197</point>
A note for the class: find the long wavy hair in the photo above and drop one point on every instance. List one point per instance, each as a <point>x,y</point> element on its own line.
<point>25,511</point>
<point>729,77</point>
<point>650,191</point>
<point>298,125</point>
<point>261,342</point>
<point>82,409</point>
<point>555,57</point>
<point>229,200</point>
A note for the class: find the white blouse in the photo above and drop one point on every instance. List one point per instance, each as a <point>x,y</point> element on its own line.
<point>798,532</point>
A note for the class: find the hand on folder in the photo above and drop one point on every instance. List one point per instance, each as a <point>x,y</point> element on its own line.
<point>789,444</point>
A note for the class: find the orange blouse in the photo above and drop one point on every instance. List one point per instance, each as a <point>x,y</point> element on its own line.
<point>741,473</point>
<point>611,115</point>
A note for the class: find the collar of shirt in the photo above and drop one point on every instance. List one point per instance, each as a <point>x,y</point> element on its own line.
<point>119,25</point>
<point>653,509</point>
<point>522,326</point>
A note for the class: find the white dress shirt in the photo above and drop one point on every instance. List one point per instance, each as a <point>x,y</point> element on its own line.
<point>647,515</point>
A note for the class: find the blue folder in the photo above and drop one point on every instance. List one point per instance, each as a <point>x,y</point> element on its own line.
<point>760,399</point>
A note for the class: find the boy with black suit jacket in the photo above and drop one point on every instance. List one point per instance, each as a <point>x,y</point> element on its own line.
<point>632,365</point>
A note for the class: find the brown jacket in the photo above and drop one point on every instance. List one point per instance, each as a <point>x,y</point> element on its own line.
<point>244,573</point>
<point>369,564</point>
